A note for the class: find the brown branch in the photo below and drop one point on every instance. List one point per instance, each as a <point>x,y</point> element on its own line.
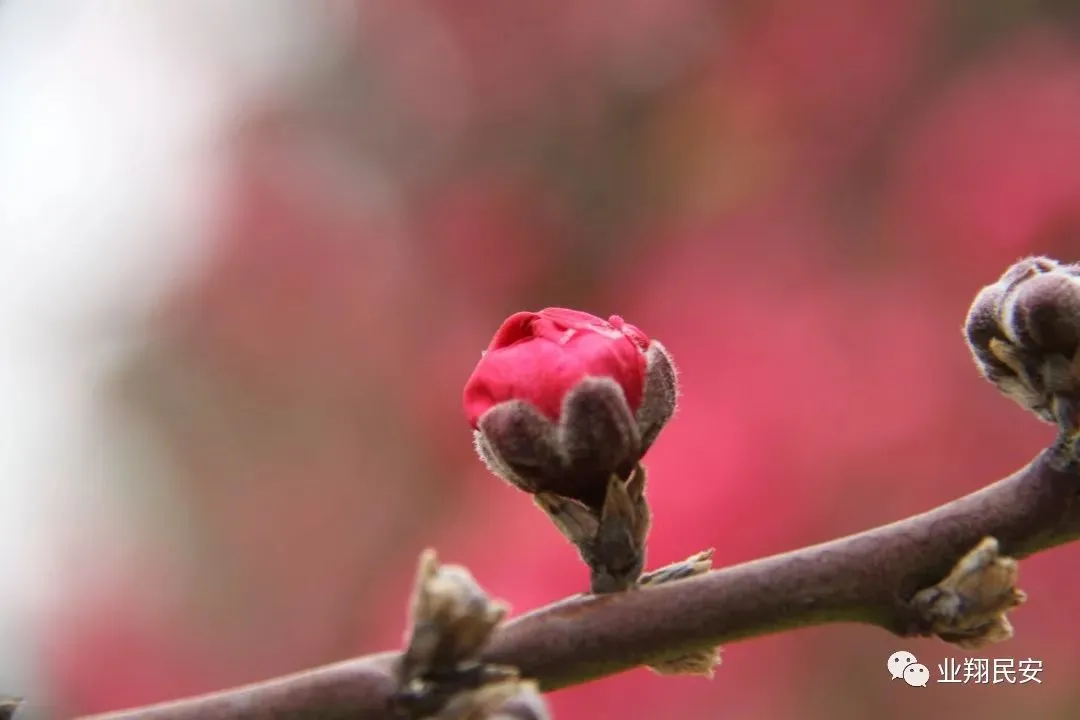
<point>866,578</point>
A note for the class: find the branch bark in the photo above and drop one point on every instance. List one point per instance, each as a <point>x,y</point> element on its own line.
<point>866,578</point>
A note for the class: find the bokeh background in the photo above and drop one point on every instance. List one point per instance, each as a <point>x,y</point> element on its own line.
<point>252,250</point>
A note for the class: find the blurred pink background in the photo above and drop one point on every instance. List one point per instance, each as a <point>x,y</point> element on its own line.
<point>798,200</point>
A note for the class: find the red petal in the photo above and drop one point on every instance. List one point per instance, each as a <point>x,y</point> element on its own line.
<point>515,328</point>
<point>573,319</point>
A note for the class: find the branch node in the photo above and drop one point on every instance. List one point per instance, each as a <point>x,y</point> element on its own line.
<point>701,662</point>
<point>612,544</point>
<point>968,608</point>
<point>611,541</point>
<point>440,674</point>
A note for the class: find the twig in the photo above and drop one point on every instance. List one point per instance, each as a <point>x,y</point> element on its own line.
<point>869,578</point>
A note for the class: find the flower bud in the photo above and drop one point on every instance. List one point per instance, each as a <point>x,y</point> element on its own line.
<point>1024,333</point>
<point>562,400</point>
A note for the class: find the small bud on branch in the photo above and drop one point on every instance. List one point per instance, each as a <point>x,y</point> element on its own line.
<point>440,675</point>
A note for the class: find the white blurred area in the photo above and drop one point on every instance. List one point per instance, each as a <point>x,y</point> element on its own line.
<point>113,115</point>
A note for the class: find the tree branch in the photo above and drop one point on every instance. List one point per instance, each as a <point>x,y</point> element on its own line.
<point>866,578</point>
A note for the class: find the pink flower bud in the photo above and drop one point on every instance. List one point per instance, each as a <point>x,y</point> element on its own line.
<point>562,399</point>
